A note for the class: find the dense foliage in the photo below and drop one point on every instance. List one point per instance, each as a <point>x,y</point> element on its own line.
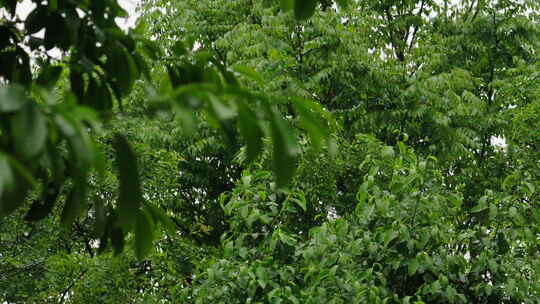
<point>389,153</point>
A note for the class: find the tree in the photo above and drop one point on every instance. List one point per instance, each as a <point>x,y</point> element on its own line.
<point>46,129</point>
<point>410,201</point>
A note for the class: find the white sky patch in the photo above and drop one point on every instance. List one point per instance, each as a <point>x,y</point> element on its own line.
<point>130,7</point>
<point>26,6</point>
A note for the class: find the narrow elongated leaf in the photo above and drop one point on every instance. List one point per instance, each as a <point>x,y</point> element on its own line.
<point>286,5</point>
<point>343,3</point>
<point>303,9</point>
<point>36,20</point>
<point>43,206</point>
<point>286,149</point>
<point>159,216</point>
<point>130,198</point>
<point>312,118</point>
<point>122,67</point>
<point>29,130</point>
<point>100,216</point>
<point>250,130</point>
<point>75,204</point>
<point>7,179</point>
<point>117,239</point>
<point>144,230</point>
<point>49,76</point>
<point>12,98</point>
<point>249,73</point>
<point>15,182</point>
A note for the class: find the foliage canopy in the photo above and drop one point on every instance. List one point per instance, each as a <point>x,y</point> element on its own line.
<point>260,151</point>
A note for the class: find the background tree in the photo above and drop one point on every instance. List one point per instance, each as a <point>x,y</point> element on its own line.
<point>411,201</point>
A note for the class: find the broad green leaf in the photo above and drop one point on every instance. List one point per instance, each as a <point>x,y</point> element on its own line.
<point>53,5</point>
<point>117,239</point>
<point>300,202</point>
<point>77,83</point>
<point>413,266</point>
<point>312,118</point>
<point>29,127</point>
<point>248,73</point>
<point>15,182</point>
<point>7,179</point>
<point>36,20</point>
<point>343,3</point>
<point>286,5</point>
<point>144,229</point>
<point>12,98</point>
<point>250,130</point>
<point>130,196</point>
<point>286,149</point>
<point>100,223</point>
<point>42,206</point>
<point>55,35</point>
<point>49,76</point>
<point>303,9</point>
<point>75,204</point>
<point>122,68</point>
<point>159,216</point>
<point>481,206</point>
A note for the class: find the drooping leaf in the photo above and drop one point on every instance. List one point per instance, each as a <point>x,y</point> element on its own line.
<point>286,5</point>
<point>12,98</point>
<point>75,203</point>
<point>29,127</point>
<point>303,9</point>
<point>130,195</point>
<point>42,206</point>
<point>144,229</point>
<point>159,216</point>
<point>49,76</point>
<point>250,130</point>
<point>36,20</point>
<point>312,118</point>
<point>286,149</point>
<point>248,73</point>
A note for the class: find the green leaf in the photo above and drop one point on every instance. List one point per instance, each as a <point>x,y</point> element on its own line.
<point>343,3</point>
<point>248,73</point>
<point>250,130</point>
<point>15,182</point>
<point>286,149</point>
<point>130,197</point>
<point>7,180</point>
<point>312,118</point>
<point>481,206</point>
<point>29,127</point>
<point>100,223</point>
<point>160,216</point>
<point>12,98</point>
<point>49,76</point>
<point>43,206</point>
<point>303,9</point>
<point>75,204</point>
<point>122,68</point>
<point>413,266</point>
<point>144,230</point>
<point>77,83</point>
<point>300,202</point>
<point>502,244</point>
<point>387,152</point>
<point>286,5</point>
<point>36,20</point>
<point>53,5</point>
<point>11,5</point>
<point>117,239</point>
<point>55,35</point>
